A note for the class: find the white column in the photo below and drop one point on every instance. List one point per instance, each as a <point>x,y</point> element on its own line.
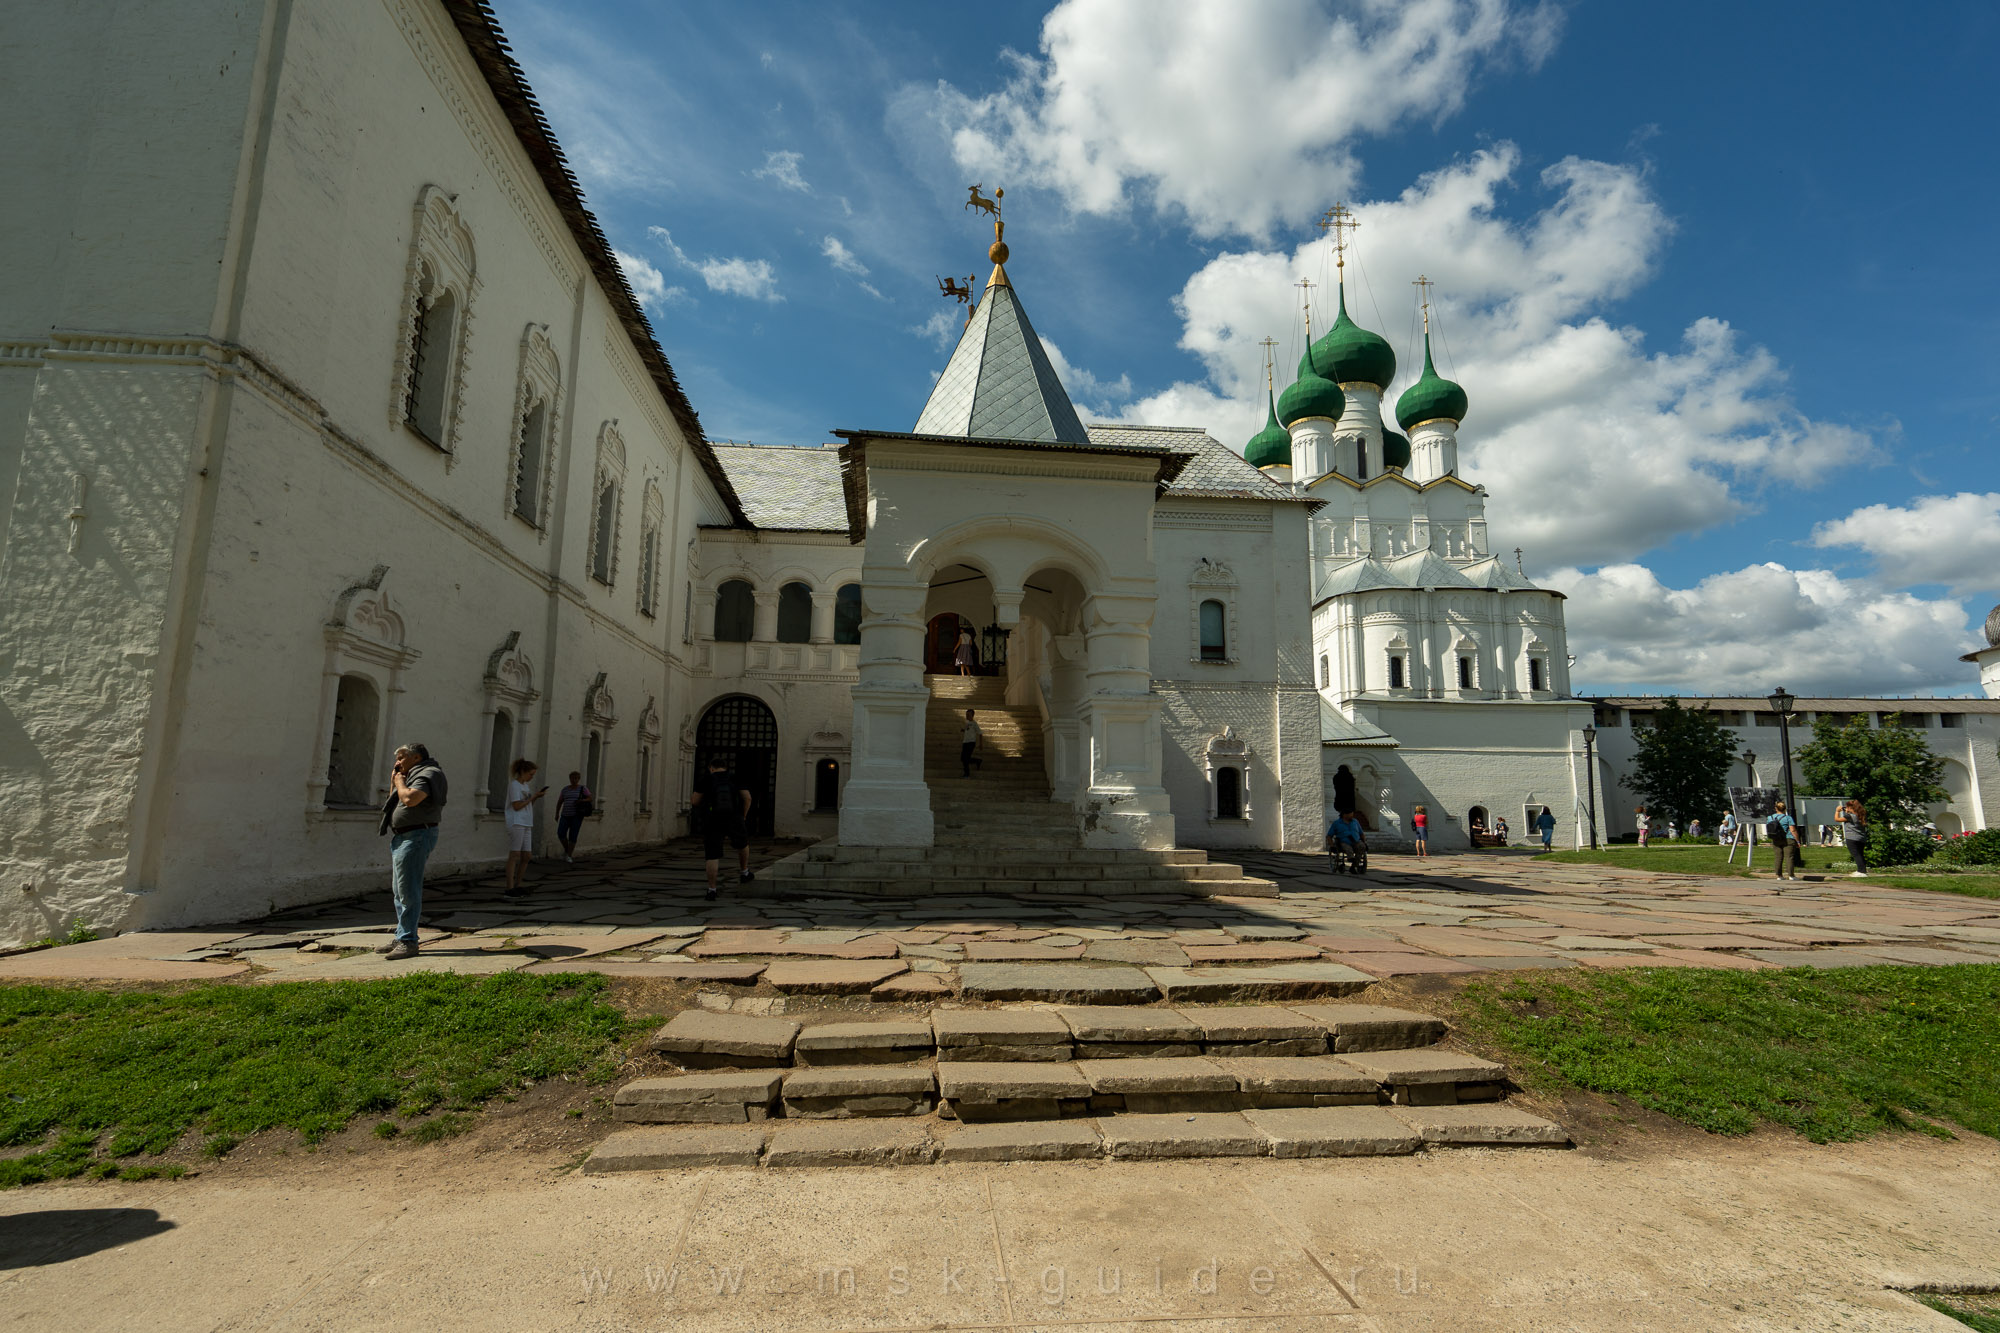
<point>886,802</point>
<point>1125,804</point>
<point>822,617</point>
<point>1363,416</point>
<point>764,626</point>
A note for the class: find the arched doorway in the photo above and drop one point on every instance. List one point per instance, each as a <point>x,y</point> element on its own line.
<point>1479,826</point>
<point>1343,790</point>
<point>742,730</point>
<point>941,641</point>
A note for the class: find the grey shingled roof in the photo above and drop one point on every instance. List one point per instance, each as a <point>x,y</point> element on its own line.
<point>795,490</point>
<point>1213,470</point>
<point>1336,728</point>
<point>999,384</point>
<point>1422,569</point>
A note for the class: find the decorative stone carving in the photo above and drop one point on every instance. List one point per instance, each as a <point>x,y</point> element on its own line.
<point>365,636</point>
<point>539,383</point>
<point>442,264</point>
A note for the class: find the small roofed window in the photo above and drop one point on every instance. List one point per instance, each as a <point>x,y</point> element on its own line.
<point>1396,671</point>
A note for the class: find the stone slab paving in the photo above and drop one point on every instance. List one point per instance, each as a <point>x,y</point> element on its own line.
<point>672,1149</point>
<point>1023,1141</point>
<point>641,913</point>
<point>1334,1131</point>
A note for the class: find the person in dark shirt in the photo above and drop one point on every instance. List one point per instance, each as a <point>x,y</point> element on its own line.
<point>412,815</point>
<point>721,810</point>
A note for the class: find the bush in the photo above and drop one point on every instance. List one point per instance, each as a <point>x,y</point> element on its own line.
<point>1971,849</point>
<point>1898,847</point>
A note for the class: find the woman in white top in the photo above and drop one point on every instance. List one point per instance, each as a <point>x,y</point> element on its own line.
<point>521,797</point>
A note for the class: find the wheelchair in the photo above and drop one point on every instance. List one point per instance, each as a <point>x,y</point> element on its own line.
<point>1348,859</point>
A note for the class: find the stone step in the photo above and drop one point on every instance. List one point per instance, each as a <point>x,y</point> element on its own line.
<point>829,851</point>
<point>1329,1131</point>
<point>1018,863</point>
<point>916,886</point>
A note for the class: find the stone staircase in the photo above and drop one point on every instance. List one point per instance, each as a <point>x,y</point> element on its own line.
<point>998,832</point>
<point>1305,1080</point>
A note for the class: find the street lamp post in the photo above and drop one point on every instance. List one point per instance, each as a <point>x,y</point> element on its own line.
<point>1781,704</point>
<point>1750,768</point>
<point>1590,778</point>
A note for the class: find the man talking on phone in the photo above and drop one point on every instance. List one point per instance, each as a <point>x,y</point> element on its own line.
<point>411,816</point>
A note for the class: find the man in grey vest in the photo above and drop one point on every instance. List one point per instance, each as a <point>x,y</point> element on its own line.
<point>411,817</point>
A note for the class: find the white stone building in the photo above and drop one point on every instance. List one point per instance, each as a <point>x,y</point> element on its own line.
<point>328,421</point>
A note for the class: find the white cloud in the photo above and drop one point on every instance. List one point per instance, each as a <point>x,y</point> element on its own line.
<point>1089,393</point>
<point>1595,447</point>
<point>942,328</point>
<point>870,288</point>
<point>1235,115</point>
<point>1948,539</point>
<point>1761,626</point>
<point>782,168</point>
<point>842,258</point>
<point>753,278</point>
<point>648,283</point>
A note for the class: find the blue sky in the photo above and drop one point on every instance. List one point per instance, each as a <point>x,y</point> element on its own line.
<point>1715,277</point>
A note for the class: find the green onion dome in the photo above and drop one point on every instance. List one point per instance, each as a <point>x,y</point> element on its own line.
<point>1312,394</point>
<point>1395,449</point>
<point>1271,446</point>
<point>1350,354</point>
<point>1431,398</point>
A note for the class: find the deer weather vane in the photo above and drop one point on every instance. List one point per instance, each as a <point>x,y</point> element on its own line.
<point>981,202</point>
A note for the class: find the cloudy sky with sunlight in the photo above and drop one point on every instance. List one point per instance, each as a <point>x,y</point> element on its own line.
<point>1726,321</point>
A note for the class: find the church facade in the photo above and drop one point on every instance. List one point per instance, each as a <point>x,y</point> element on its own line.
<point>328,422</point>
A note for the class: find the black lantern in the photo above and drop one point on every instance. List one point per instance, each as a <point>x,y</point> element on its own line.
<point>1781,704</point>
<point>1590,777</point>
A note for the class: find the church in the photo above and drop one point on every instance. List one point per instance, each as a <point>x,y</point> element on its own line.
<point>328,421</point>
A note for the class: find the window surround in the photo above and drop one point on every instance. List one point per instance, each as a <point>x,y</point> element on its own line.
<point>652,516</point>
<point>649,755</point>
<point>441,250</point>
<point>539,382</point>
<point>507,687</point>
<point>828,742</point>
<point>1227,750</point>
<point>600,715</point>
<point>1396,661</point>
<point>1213,581</point>
<point>364,637</point>
<point>602,562</point>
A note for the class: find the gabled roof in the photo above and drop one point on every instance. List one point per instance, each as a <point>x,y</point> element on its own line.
<point>999,384</point>
<point>1356,576</point>
<point>1337,728</point>
<point>1422,569</point>
<point>1213,469</point>
<point>1427,569</point>
<point>480,31</point>
<point>787,490</point>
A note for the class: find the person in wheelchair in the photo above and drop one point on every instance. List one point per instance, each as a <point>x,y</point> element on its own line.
<point>1346,843</point>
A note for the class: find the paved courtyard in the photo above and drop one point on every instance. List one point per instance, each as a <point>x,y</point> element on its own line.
<point>642,913</point>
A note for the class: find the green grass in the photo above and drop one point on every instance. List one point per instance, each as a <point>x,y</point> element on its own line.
<point>1834,1055</point>
<point>112,1075</point>
<point>1981,1313</point>
<point>1709,859</point>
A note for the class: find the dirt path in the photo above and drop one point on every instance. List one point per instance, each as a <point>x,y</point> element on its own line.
<point>1663,1232</point>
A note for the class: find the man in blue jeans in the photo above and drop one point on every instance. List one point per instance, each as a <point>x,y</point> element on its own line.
<point>411,818</point>
<point>1546,823</point>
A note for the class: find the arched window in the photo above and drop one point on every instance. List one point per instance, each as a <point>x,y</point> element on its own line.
<point>497,775</point>
<point>1228,793</point>
<point>1325,672</point>
<point>1395,671</point>
<point>847,614</point>
<point>1534,673</point>
<point>1464,671</point>
<point>735,611</point>
<point>350,768</point>
<point>528,462</point>
<point>651,513</point>
<point>826,785</point>
<point>593,766</point>
<point>1214,636</point>
<point>795,613</point>
<point>603,533</point>
<point>431,353</point>
<point>645,779</point>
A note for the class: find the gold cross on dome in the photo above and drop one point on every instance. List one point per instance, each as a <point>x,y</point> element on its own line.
<point>1340,221</point>
<point>1423,286</point>
<point>1270,346</point>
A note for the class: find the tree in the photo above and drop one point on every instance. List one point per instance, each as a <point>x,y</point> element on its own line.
<point>1889,769</point>
<point>1682,769</point>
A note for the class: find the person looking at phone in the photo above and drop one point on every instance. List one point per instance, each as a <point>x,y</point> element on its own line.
<point>522,793</point>
<point>411,816</point>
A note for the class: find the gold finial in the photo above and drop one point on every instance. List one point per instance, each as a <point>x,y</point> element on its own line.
<point>1306,285</point>
<point>1270,346</point>
<point>1339,220</point>
<point>1423,286</point>
<point>997,252</point>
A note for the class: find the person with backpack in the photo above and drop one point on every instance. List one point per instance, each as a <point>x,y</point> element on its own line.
<point>1783,832</point>
<point>722,811</point>
<point>1853,822</point>
<point>574,804</point>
